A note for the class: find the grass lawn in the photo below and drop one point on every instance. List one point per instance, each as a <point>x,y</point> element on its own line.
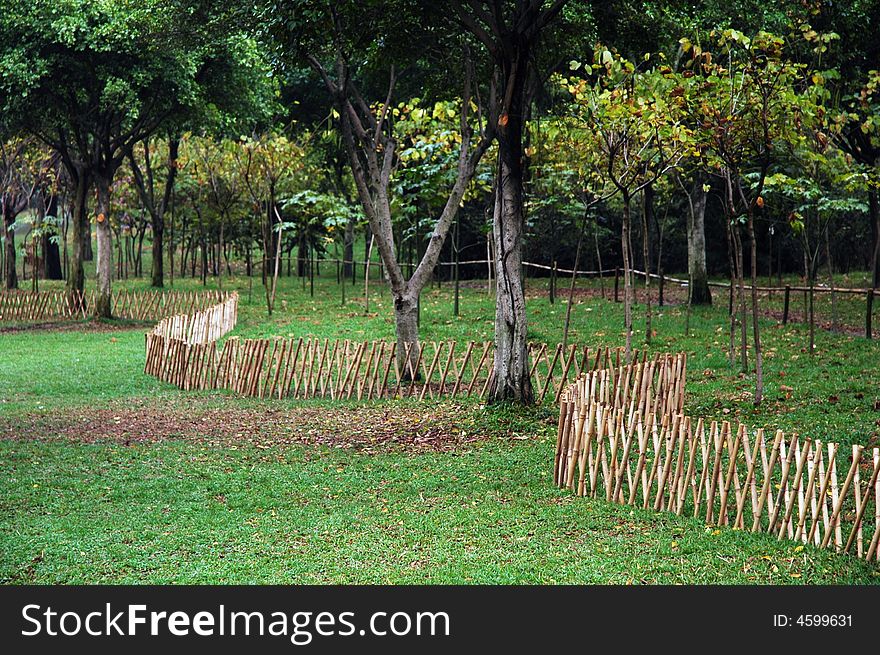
<point>111,477</point>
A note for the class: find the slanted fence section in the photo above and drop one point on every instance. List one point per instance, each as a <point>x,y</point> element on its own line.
<point>182,349</point>
<point>344,369</point>
<point>643,455</point>
<point>203,326</point>
<point>148,306</point>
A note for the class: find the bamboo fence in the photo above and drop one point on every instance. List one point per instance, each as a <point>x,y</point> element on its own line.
<point>344,369</point>
<point>643,455</point>
<point>32,306</point>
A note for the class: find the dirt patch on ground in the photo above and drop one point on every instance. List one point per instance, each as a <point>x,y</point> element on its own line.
<point>76,326</point>
<point>438,427</point>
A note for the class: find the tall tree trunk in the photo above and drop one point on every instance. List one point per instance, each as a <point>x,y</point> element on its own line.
<point>647,218</point>
<point>510,374</point>
<point>88,253</point>
<point>698,289</point>
<point>80,227</point>
<point>348,250</point>
<point>756,332</point>
<point>874,212</point>
<point>104,302</point>
<point>627,275</point>
<point>157,215</point>
<point>10,274</point>
<point>51,252</point>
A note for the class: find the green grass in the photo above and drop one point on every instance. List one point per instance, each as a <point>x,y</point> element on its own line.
<point>181,511</point>
<point>177,514</point>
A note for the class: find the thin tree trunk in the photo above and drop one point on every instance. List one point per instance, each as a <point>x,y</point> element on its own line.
<point>731,262</point>
<point>51,252</point>
<point>80,227</point>
<point>756,332</point>
<point>831,279</point>
<point>577,257</point>
<point>874,213</point>
<point>698,289</point>
<point>741,299</point>
<point>367,276</point>
<point>277,260</point>
<point>510,374</point>
<point>10,274</point>
<point>647,215</point>
<point>627,276</point>
<point>103,306</point>
<point>348,250</point>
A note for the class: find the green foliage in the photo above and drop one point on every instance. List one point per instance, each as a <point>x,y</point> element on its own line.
<point>629,123</point>
<point>87,74</point>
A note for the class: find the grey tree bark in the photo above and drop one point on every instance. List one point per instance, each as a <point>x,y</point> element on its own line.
<point>79,225</point>
<point>510,373</point>
<point>371,148</point>
<point>104,302</point>
<point>145,185</point>
<point>698,288</point>
<point>510,38</point>
<point>9,273</point>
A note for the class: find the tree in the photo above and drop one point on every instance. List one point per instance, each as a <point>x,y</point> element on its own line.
<point>147,184</point>
<point>373,150</point>
<point>510,33</point>
<point>861,140</point>
<point>633,123</point>
<point>747,109</point>
<point>91,80</point>
<point>15,194</point>
<point>267,166</point>
<point>25,171</point>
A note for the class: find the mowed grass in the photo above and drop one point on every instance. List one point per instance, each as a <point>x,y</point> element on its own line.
<point>177,514</point>
<point>180,511</point>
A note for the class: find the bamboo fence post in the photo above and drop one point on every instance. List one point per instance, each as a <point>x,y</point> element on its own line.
<point>876,502</point>
<point>799,469</point>
<point>768,480</point>
<point>857,495</point>
<point>658,439</point>
<point>464,362</point>
<point>835,515</point>
<point>813,469</point>
<point>426,387</point>
<point>391,355</point>
<point>860,512</point>
<point>823,491</point>
<point>751,461</point>
<point>731,472</point>
<point>624,466</point>
<point>563,409</point>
